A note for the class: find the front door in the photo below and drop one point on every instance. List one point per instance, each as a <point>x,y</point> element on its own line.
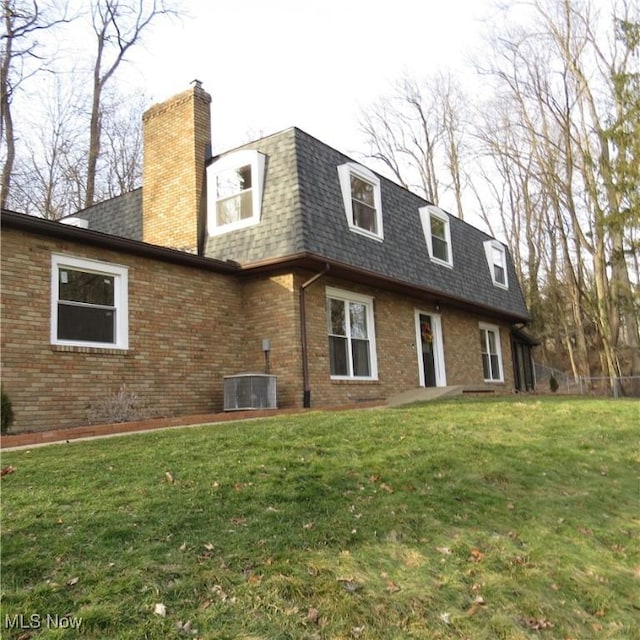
<point>430,349</point>
<point>427,346</point>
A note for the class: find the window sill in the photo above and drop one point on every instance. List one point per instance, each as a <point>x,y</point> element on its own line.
<point>442,263</point>
<point>105,351</point>
<point>368,381</point>
<point>365,233</point>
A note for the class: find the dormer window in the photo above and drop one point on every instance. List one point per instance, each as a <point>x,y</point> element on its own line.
<point>437,234</point>
<point>235,185</point>
<point>497,261</point>
<point>362,201</point>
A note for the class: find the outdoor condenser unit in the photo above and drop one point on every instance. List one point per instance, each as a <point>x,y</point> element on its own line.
<point>249,391</point>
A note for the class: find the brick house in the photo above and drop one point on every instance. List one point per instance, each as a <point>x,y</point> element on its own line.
<point>282,253</point>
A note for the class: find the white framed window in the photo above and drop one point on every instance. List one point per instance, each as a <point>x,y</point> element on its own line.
<point>235,185</point>
<point>491,353</point>
<point>437,234</point>
<point>351,329</point>
<point>362,199</point>
<point>89,303</point>
<point>497,261</point>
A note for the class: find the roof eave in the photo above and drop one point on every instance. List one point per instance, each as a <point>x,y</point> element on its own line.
<point>54,229</point>
<point>311,261</point>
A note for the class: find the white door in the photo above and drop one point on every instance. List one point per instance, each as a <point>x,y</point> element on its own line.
<point>429,346</point>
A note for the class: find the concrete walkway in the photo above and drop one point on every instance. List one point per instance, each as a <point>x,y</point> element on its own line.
<point>424,394</point>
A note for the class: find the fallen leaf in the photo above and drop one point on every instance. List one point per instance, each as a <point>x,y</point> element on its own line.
<point>510,506</point>
<point>5,471</point>
<point>445,550</point>
<point>160,610</point>
<point>476,555</point>
<point>241,522</point>
<point>208,546</point>
<point>445,618</point>
<point>385,487</point>
<point>392,587</point>
<point>356,632</point>
<point>350,585</point>
<point>313,614</point>
<point>537,624</point>
<point>73,582</point>
<point>254,579</point>
<point>182,547</point>
<point>185,627</point>
<point>169,477</point>
<point>308,525</point>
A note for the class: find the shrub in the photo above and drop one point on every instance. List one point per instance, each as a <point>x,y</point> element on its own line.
<point>6,412</point>
<point>122,406</point>
<point>553,383</point>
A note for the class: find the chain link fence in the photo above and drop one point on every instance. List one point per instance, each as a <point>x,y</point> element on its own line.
<point>622,387</point>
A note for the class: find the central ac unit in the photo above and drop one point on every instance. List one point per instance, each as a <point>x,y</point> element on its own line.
<point>249,391</point>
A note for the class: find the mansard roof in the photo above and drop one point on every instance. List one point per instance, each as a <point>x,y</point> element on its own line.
<point>303,213</point>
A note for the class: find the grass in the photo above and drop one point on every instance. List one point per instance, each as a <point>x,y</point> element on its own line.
<point>460,519</point>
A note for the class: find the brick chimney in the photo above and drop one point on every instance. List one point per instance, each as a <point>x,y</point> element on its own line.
<point>177,136</point>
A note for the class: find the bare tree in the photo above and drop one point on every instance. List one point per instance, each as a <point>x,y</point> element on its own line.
<point>564,73</point>
<point>118,26</point>
<point>21,59</point>
<point>416,133</point>
<point>122,132</point>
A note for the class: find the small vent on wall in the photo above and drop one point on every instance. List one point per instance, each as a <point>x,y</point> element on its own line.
<point>249,391</point>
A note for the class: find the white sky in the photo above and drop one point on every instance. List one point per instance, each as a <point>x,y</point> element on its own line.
<point>272,64</point>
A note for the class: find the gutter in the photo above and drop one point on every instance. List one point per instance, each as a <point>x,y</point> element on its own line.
<point>307,260</point>
<point>306,397</point>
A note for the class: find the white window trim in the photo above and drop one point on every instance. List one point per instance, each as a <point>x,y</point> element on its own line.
<point>425,217</point>
<point>489,246</point>
<point>345,171</point>
<point>234,161</point>
<point>348,296</point>
<point>438,342</point>
<point>121,299</point>
<point>496,330</point>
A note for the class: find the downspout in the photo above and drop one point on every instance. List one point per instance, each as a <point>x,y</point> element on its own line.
<point>306,398</point>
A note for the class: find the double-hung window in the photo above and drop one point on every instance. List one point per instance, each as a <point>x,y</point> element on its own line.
<point>89,303</point>
<point>234,188</point>
<point>437,233</point>
<point>491,353</point>
<point>362,199</point>
<point>233,195</point>
<point>497,261</point>
<point>352,351</point>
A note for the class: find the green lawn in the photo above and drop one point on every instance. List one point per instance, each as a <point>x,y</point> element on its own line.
<point>475,518</point>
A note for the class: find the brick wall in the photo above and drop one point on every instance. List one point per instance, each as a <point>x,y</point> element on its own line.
<point>270,310</point>
<point>176,135</point>
<point>180,337</point>
<point>188,328</point>
<point>396,347</point>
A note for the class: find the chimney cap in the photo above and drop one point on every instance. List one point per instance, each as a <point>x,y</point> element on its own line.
<point>196,83</point>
